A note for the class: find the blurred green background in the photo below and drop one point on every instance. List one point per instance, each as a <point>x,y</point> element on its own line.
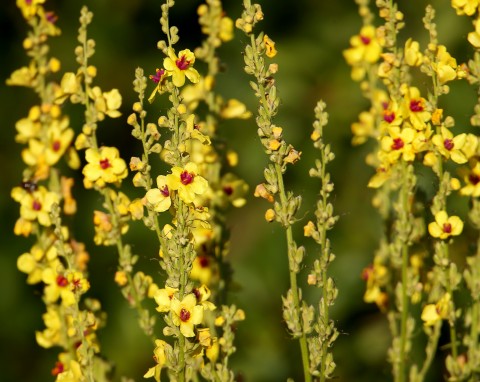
<point>310,36</point>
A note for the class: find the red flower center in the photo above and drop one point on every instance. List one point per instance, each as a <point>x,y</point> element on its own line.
<point>76,283</point>
<point>36,205</point>
<point>51,17</point>
<point>182,63</point>
<point>56,145</point>
<point>367,272</point>
<point>197,294</point>
<point>416,105</point>
<point>164,191</point>
<point>448,144</point>
<point>184,315</point>
<point>59,368</point>
<point>473,179</point>
<point>158,76</point>
<point>397,144</point>
<point>62,281</point>
<point>105,163</point>
<point>447,228</point>
<point>186,177</point>
<point>228,190</point>
<point>204,261</point>
<point>388,116</point>
<point>365,40</point>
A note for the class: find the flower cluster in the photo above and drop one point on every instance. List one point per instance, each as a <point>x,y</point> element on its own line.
<point>56,261</point>
<point>412,131</point>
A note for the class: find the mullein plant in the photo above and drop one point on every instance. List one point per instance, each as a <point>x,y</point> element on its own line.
<point>104,172</point>
<point>312,327</point>
<point>413,265</point>
<point>56,260</point>
<point>193,196</point>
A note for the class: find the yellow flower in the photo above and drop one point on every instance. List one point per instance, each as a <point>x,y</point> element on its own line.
<point>446,65</point>
<point>414,108</point>
<point>362,129</point>
<point>23,76</point>
<point>27,129</point>
<point>159,357</point>
<point>204,269</point>
<point>72,372</point>
<point>432,313</point>
<point>69,83</point>
<point>29,8</point>
<point>376,276</point>
<point>158,78</point>
<point>235,109</point>
<point>437,116</point>
<point>270,215</point>
<point>104,166</point>
<point>465,7</point>
<point>472,180</point>
<point>399,143</point>
<point>57,286</point>
<point>164,297</point>
<point>186,314</point>
<point>52,334</point>
<point>194,130</point>
<point>181,67</point>
<point>187,182</point>
<point>226,29</point>
<point>450,146</point>
<point>413,56</point>
<point>106,103</point>
<point>159,198</point>
<point>470,146</point>
<point>232,190</point>
<point>35,205</point>
<point>473,37</point>
<point>32,263</point>
<point>364,47</point>
<point>59,137</point>
<point>121,278</point>
<point>136,209</point>
<point>270,50</point>
<point>444,226</point>
<point>203,294</point>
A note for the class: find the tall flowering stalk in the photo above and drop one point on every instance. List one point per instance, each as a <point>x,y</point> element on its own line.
<point>467,364</point>
<point>409,129</point>
<point>194,194</point>
<point>324,331</point>
<point>56,260</point>
<point>280,154</point>
<point>105,169</point>
<point>312,326</point>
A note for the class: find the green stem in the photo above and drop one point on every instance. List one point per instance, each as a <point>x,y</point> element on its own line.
<point>405,301</point>
<point>325,258</point>
<point>430,353</point>
<point>403,325</point>
<point>474,335</point>
<point>146,156</point>
<point>181,357</point>
<point>451,321</point>
<point>121,253</point>
<point>293,276</point>
<point>182,282</point>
